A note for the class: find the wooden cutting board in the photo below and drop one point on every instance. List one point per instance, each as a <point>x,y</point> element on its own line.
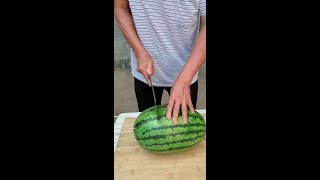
<point>133,162</point>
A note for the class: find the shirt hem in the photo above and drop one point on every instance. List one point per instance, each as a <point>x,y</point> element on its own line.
<point>161,85</point>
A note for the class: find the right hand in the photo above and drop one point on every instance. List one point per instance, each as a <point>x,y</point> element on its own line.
<point>145,65</point>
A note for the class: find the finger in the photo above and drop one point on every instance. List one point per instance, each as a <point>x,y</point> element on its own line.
<point>176,112</point>
<point>169,108</point>
<point>190,105</point>
<point>150,69</point>
<point>147,78</point>
<point>184,112</point>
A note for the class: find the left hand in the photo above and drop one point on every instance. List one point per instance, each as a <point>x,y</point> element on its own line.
<point>179,96</point>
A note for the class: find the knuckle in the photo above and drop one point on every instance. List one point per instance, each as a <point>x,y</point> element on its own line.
<point>175,96</point>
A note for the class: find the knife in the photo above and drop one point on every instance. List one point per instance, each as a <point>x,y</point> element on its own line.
<point>154,96</point>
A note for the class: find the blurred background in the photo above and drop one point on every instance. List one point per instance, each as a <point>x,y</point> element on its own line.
<point>124,96</point>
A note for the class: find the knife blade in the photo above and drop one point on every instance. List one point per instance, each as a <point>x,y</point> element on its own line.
<point>154,96</point>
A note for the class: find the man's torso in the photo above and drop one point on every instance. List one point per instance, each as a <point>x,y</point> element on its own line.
<point>167,30</point>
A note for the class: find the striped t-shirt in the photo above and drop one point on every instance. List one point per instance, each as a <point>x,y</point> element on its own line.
<point>167,30</point>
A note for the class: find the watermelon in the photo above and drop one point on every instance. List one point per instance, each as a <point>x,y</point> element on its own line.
<point>154,132</point>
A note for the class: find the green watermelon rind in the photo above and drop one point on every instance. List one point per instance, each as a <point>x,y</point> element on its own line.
<point>178,142</point>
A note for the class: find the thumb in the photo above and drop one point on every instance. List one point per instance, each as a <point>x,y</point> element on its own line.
<point>150,68</point>
<point>147,78</point>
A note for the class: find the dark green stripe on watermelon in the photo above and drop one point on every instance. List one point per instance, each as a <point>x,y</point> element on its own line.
<point>143,143</point>
<point>169,149</point>
<point>159,112</point>
<point>172,139</point>
<point>153,110</point>
<point>148,120</point>
<point>174,126</point>
<point>140,127</point>
<point>171,134</point>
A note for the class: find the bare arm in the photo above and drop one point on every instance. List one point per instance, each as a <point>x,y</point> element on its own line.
<point>125,21</point>
<point>197,56</point>
<point>126,24</point>
<point>180,91</point>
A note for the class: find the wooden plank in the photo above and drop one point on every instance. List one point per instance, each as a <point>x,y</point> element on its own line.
<point>133,162</point>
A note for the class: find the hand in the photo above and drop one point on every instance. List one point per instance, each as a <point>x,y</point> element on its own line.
<point>145,65</point>
<point>179,95</point>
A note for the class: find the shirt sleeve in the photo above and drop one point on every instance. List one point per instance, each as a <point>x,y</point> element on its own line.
<point>202,7</point>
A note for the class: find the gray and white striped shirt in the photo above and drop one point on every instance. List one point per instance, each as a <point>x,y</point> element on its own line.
<point>167,30</point>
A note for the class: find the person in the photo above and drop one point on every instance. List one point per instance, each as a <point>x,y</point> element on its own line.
<point>167,50</point>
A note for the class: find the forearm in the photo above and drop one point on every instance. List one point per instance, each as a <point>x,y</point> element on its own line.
<point>127,27</point>
<point>196,59</point>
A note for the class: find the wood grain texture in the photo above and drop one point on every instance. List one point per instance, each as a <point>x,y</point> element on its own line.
<point>131,162</point>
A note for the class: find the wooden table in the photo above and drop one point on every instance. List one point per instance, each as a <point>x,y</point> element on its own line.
<point>133,162</point>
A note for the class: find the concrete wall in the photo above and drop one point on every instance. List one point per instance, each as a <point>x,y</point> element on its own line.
<point>121,50</point>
